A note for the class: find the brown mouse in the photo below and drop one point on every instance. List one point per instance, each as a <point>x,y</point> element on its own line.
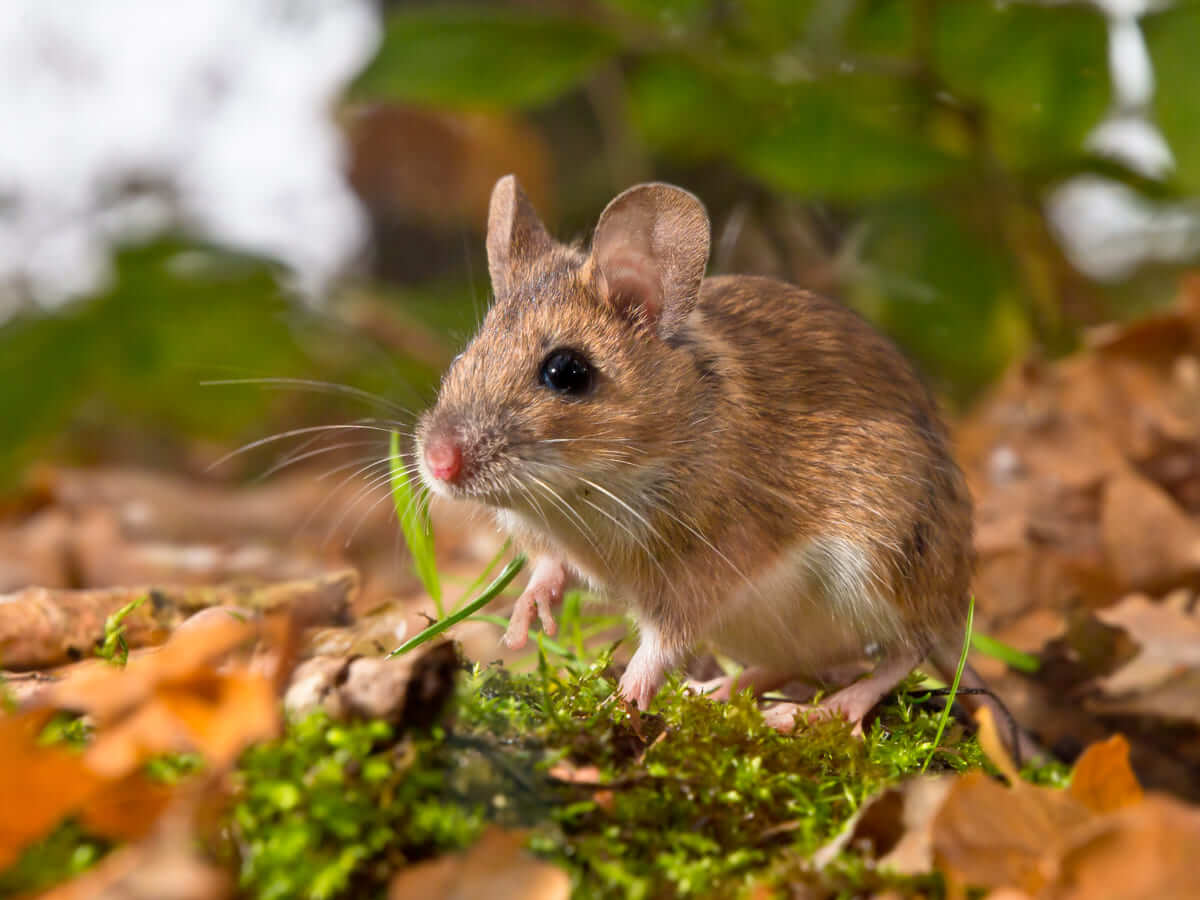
<point>740,461</point>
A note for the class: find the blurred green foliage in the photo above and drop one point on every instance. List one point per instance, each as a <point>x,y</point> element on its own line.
<point>936,125</point>
<point>930,131</point>
<point>1173,36</point>
<point>138,356</point>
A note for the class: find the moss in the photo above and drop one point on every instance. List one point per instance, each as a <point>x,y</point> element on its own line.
<point>65,852</point>
<point>332,810</point>
<point>694,799</point>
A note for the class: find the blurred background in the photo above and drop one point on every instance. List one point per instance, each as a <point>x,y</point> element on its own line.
<point>244,189</point>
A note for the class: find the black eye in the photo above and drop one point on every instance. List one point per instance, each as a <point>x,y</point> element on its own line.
<point>566,371</point>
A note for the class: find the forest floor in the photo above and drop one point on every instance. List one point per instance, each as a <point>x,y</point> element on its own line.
<point>200,701</point>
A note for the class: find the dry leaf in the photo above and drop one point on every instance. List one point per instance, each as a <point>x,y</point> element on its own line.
<point>1143,851</point>
<point>1150,541</point>
<point>1163,678</point>
<point>170,700</point>
<point>1102,780</point>
<point>44,783</point>
<point>1100,838</point>
<point>913,853</point>
<point>167,866</point>
<point>988,834</point>
<point>992,835</point>
<point>498,867</point>
<point>44,627</point>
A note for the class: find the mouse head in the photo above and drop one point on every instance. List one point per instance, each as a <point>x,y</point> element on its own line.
<point>580,373</point>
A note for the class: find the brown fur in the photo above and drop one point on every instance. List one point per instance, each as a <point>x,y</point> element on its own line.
<point>732,421</point>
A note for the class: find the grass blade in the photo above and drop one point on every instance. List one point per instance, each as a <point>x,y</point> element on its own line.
<point>490,593</point>
<point>1010,656</point>
<point>962,664</point>
<point>487,570</point>
<point>414,523</point>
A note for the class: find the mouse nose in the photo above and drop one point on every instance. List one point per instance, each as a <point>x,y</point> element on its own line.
<point>444,458</point>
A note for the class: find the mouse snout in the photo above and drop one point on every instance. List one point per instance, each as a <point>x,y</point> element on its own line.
<point>444,458</point>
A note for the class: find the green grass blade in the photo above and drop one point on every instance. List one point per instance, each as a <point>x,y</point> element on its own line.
<point>962,664</point>
<point>490,593</point>
<point>1010,656</point>
<point>414,523</point>
<point>488,569</point>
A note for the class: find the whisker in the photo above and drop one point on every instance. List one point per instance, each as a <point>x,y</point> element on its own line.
<point>632,534</point>
<point>296,432</point>
<point>294,458</point>
<point>584,529</point>
<point>316,387</point>
<point>372,484</point>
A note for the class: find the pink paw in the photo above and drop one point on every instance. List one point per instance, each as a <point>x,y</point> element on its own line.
<point>787,717</point>
<point>545,588</point>
<point>714,689</point>
<point>639,685</point>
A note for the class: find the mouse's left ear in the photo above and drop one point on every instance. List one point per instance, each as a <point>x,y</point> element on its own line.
<point>649,253</point>
<point>516,237</point>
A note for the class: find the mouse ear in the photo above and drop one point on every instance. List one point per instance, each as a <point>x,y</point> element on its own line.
<point>515,234</point>
<point>650,250</point>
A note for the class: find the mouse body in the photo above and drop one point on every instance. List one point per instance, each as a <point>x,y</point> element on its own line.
<point>737,460</point>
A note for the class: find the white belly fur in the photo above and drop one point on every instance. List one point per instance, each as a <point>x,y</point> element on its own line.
<point>820,605</point>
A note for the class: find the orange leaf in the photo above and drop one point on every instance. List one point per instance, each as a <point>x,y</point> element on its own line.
<point>1102,780</point>
<point>39,785</point>
<point>127,809</point>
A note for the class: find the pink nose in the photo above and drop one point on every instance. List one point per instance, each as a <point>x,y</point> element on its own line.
<point>444,458</point>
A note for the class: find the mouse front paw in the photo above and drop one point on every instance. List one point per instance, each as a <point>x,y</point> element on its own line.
<point>546,587</point>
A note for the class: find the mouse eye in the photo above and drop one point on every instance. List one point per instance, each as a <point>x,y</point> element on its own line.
<point>566,371</point>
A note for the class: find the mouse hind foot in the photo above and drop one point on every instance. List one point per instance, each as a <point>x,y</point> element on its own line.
<point>852,702</point>
<point>756,679</point>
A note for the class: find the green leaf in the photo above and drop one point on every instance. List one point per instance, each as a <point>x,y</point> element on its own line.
<point>686,112</point>
<point>1172,37</point>
<point>842,139</point>
<point>1010,656</point>
<point>1039,71</point>
<point>483,57</point>
<point>940,282</point>
<point>489,594</point>
<point>838,137</point>
<point>133,360</point>
<point>413,513</point>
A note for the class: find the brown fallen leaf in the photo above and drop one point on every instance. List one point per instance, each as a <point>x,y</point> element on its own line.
<point>1162,678</point>
<point>912,854</point>
<point>172,699</point>
<point>497,867</point>
<point>44,626</point>
<point>989,835</point>
<point>43,783</point>
<point>1087,841</point>
<point>1144,851</point>
<point>1102,780</point>
<point>1150,541</point>
<point>168,865</point>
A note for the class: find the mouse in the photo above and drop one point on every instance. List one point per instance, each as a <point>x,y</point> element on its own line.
<point>738,462</point>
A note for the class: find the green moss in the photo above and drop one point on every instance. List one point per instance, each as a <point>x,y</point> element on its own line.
<point>331,810</point>
<point>67,851</point>
<point>695,798</point>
